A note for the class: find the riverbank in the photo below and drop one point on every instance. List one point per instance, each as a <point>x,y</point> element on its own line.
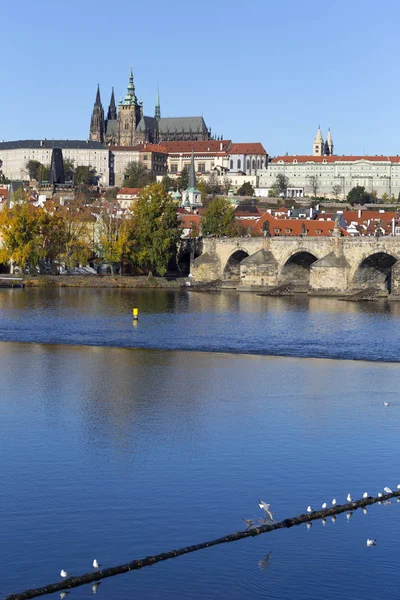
<point>103,281</point>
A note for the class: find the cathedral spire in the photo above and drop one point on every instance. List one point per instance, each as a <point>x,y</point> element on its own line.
<point>157,112</point>
<point>130,98</point>
<point>112,109</point>
<point>318,145</point>
<point>330,141</point>
<point>98,99</point>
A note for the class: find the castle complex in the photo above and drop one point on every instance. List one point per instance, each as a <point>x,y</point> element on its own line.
<point>128,126</point>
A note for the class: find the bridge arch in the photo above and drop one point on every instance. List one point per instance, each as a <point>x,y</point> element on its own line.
<point>231,270</point>
<point>297,267</point>
<point>375,270</point>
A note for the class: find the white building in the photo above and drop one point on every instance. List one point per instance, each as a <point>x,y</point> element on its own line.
<point>335,176</point>
<point>16,155</point>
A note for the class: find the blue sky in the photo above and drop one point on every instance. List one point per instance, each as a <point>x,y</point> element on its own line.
<point>258,71</point>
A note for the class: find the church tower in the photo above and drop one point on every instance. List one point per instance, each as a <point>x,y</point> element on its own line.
<point>157,111</point>
<point>129,115</point>
<point>97,120</point>
<point>318,145</point>
<point>329,141</point>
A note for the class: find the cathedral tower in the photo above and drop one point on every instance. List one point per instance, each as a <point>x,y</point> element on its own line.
<point>97,120</point>
<point>318,145</point>
<point>129,115</point>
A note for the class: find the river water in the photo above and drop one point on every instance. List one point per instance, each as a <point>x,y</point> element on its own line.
<point>120,440</point>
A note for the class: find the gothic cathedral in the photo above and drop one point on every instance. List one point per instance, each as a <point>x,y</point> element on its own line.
<point>128,126</point>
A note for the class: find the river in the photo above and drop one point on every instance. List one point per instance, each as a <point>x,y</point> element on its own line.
<point>122,439</point>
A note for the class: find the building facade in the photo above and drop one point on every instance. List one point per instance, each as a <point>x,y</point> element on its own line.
<point>16,155</point>
<point>335,176</point>
<point>127,125</point>
<point>152,156</point>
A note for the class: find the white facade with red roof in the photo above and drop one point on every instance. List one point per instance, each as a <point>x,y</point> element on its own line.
<point>375,173</point>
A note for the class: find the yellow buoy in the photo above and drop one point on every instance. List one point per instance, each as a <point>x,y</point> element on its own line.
<point>135,313</point>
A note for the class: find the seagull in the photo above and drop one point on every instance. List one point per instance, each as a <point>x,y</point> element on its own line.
<point>309,525</point>
<point>309,509</point>
<point>348,515</point>
<point>334,502</point>
<point>380,494</point>
<point>264,506</point>
<point>398,487</point>
<point>323,521</point>
<point>64,573</point>
<point>324,506</point>
<point>365,495</point>
<point>95,564</point>
<point>349,498</point>
<point>95,587</point>
<point>371,542</point>
<point>333,519</point>
<point>364,511</point>
<point>386,404</point>
<point>387,490</point>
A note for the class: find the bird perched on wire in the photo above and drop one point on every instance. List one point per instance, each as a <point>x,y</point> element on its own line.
<point>387,490</point>
<point>266,507</point>
<point>334,502</point>
<point>96,564</point>
<point>365,495</point>
<point>248,522</point>
<point>309,509</point>
<point>64,573</point>
<point>349,498</point>
<point>371,542</point>
<point>324,506</point>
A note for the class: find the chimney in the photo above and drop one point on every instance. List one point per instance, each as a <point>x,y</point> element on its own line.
<point>221,146</point>
<point>359,213</point>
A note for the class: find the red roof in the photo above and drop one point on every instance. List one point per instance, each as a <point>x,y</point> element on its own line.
<point>129,191</point>
<point>333,159</point>
<point>202,147</point>
<point>247,148</point>
<point>293,227</point>
<point>141,148</point>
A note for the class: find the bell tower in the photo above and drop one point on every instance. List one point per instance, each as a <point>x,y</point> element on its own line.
<point>97,121</point>
<point>318,145</point>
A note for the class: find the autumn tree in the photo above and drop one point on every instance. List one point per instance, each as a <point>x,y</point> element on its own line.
<point>218,218</point>
<point>114,233</point>
<point>20,231</point>
<point>156,231</point>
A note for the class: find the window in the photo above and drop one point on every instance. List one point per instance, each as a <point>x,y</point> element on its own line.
<point>231,164</point>
<point>258,163</point>
<point>248,163</point>
<point>254,164</point>
<point>288,230</point>
<point>174,168</point>
<point>277,230</point>
<point>144,156</point>
<point>318,231</point>
<point>239,164</point>
<point>201,168</point>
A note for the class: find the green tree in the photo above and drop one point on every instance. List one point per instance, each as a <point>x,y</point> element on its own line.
<point>182,181</point>
<point>336,190</point>
<point>33,167</point>
<point>358,195</point>
<point>213,186</point>
<point>218,218</point>
<point>156,230</point>
<point>246,189</point>
<point>137,176</point>
<point>168,183</point>
<point>86,175</point>
<point>111,194</point>
<point>69,169</point>
<point>44,171</point>
<point>202,187</point>
<point>280,186</point>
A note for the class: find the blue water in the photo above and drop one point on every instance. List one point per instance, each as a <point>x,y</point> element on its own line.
<point>116,453</point>
<point>227,322</point>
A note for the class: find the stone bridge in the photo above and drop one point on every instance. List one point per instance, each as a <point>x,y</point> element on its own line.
<point>319,264</point>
